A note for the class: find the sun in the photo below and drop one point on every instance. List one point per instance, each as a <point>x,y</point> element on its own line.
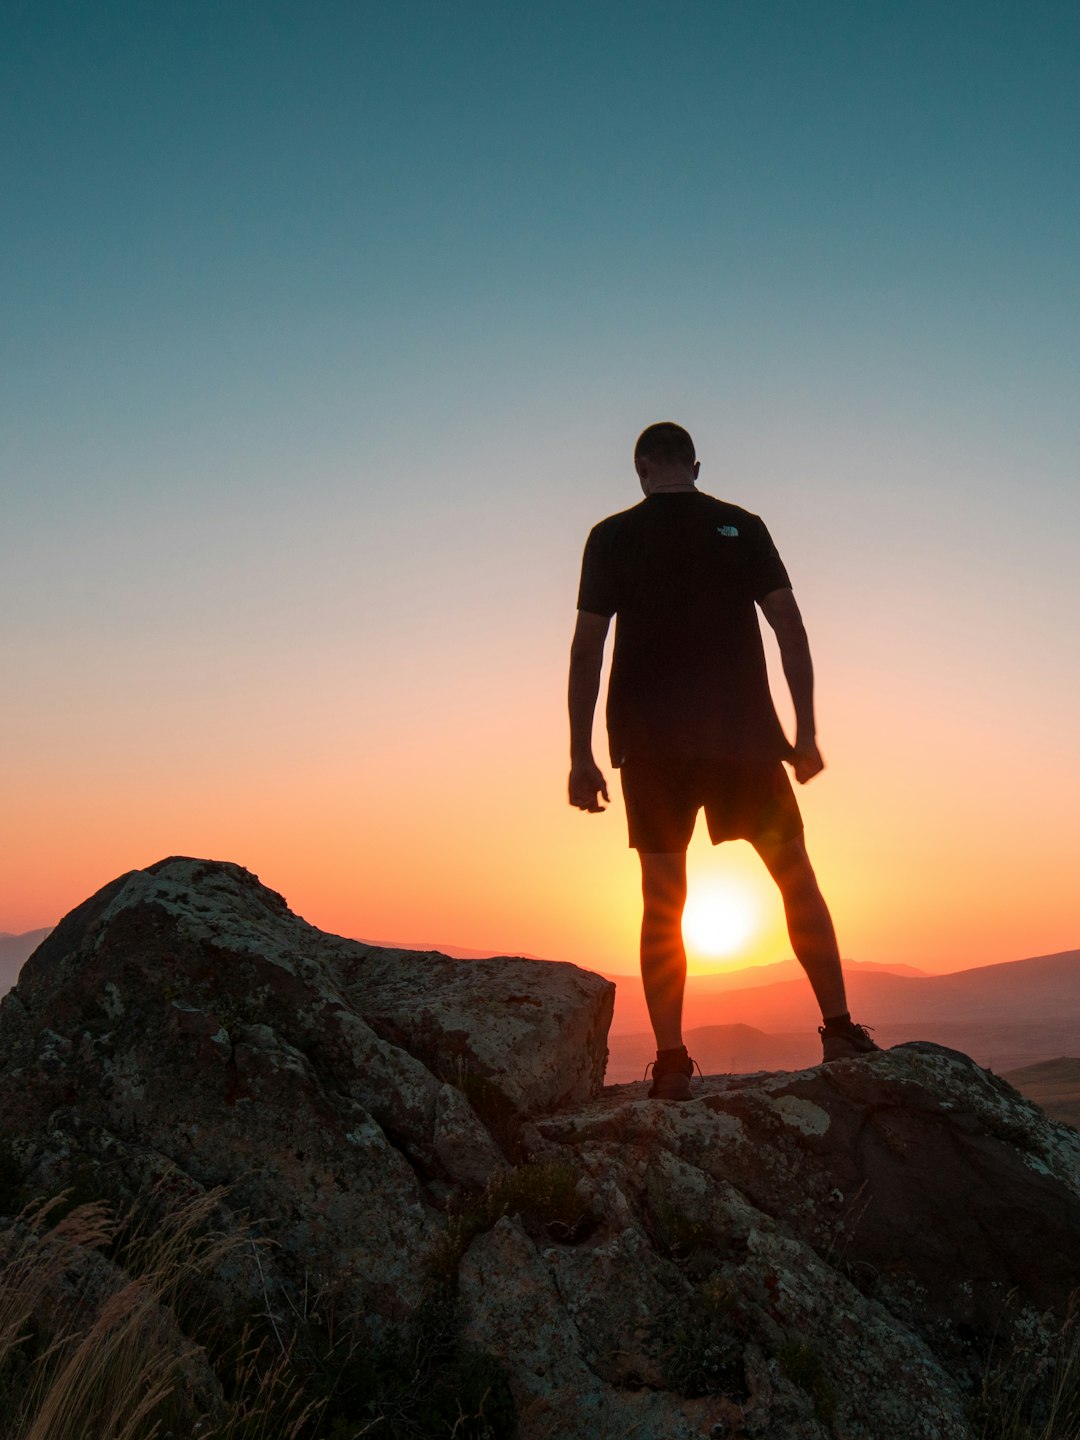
<point>719,918</point>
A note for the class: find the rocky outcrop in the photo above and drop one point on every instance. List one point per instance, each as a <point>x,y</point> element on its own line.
<point>878,1247</point>
<point>870,1231</point>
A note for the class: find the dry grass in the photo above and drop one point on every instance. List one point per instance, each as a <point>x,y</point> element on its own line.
<point>1030,1393</point>
<point>107,1333</point>
<point>89,1341</point>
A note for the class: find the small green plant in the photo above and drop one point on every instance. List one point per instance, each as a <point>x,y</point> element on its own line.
<point>544,1193</point>
<point>718,1295</point>
<point>800,1362</point>
<point>549,1192</point>
<point>705,1355</point>
<point>677,1234</point>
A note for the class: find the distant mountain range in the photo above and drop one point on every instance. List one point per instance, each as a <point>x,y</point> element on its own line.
<point>1045,989</point>
<point>1006,1016</point>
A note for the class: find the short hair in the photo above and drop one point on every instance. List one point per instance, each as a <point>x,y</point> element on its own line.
<point>666,443</point>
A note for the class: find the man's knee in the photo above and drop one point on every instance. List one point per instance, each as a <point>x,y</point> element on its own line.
<point>789,865</point>
<point>663,882</point>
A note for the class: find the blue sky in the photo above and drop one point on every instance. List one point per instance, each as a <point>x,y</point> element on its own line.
<point>328,329</point>
<point>216,211</point>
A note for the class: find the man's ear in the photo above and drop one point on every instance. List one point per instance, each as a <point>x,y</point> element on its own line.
<point>697,468</point>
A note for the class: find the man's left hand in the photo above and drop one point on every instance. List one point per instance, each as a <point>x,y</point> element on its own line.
<point>806,760</point>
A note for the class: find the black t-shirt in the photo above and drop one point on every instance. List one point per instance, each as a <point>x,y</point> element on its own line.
<point>682,573</point>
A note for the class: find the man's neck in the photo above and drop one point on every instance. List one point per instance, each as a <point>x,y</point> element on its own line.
<point>675,487</point>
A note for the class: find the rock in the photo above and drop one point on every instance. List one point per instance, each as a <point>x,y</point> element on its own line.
<point>876,1247</point>
<point>185,1008</point>
<point>534,1030</point>
<point>889,1159</point>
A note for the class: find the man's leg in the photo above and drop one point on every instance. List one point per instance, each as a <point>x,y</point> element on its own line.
<point>808,920</point>
<point>663,958</point>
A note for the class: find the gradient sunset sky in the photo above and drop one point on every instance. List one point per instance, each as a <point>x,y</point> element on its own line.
<point>327,332</point>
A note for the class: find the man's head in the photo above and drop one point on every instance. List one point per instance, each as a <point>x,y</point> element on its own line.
<point>664,458</point>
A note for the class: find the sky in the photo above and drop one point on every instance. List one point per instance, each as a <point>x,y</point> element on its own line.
<point>328,330</point>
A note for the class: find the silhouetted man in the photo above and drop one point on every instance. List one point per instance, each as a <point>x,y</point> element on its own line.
<point>691,723</point>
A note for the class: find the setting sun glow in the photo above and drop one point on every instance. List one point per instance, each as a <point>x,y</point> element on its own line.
<point>720,917</point>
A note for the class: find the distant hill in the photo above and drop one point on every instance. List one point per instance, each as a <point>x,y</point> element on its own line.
<point>704,993</point>
<point>749,977</point>
<point>1052,1084</point>
<point>456,952</point>
<point>1045,988</point>
<point>1003,1048</point>
<point>15,950</point>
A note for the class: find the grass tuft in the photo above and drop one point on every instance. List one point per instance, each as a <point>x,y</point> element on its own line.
<point>705,1355</point>
<point>1031,1391</point>
<point>87,1347</point>
<point>545,1193</point>
<point>800,1362</point>
<point>109,1327</point>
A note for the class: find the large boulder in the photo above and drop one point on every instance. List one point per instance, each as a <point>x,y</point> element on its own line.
<point>534,1031</point>
<point>422,1152</point>
<point>184,1010</point>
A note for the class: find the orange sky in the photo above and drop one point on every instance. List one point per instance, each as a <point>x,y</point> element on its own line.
<point>420,796</point>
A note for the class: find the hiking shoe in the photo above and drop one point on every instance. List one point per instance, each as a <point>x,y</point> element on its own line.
<point>671,1072</point>
<point>844,1042</point>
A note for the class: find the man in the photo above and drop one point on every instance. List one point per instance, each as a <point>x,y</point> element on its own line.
<point>691,723</point>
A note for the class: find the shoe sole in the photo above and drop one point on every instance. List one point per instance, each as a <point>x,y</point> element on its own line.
<point>847,1052</point>
<point>671,1087</point>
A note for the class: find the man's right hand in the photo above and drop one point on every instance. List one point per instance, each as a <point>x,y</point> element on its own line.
<point>586,786</point>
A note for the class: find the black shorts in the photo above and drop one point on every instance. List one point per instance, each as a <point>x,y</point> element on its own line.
<point>743,800</point>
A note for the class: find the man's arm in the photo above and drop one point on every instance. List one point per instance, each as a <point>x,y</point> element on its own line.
<point>782,613</point>
<point>586,658</point>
